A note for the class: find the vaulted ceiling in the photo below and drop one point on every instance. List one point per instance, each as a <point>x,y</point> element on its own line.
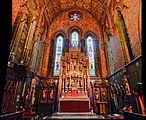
<point>53,7</point>
<point>95,7</point>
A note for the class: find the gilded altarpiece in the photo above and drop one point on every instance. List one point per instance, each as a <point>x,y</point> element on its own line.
<point>74,81</point>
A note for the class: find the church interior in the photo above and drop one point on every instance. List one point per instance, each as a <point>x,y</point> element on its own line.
<point>74,59</point>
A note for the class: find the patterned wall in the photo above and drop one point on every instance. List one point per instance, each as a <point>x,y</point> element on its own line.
<point>86,23</point>
<point>16,8</point>
<point>132,20</point>
<point>116,50</point>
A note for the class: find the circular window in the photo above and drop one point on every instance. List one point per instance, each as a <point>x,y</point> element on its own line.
<point>74,15</point>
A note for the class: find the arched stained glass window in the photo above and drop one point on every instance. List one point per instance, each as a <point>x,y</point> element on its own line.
<point>90,53</point>
<point>58,54</point>
<point>75,40</point>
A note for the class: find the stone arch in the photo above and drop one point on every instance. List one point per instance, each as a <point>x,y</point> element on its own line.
<point>60,32</point>
<point>78,28</point>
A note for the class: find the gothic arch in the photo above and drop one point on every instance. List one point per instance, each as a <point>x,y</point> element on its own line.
<point>60,32</point>
<point>77,28</point>
<point>90,33</point>
<point>97,51</point>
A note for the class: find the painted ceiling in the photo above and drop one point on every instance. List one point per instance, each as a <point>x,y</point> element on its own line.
<point>54,7</point>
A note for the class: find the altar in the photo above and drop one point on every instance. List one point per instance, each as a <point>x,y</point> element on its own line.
<point>74,105</point>
<point>74,83</point>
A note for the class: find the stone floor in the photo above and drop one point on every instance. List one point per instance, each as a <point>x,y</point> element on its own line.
<point>83,115</point>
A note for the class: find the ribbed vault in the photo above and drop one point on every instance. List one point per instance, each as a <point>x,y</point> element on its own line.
<point>54,7</point>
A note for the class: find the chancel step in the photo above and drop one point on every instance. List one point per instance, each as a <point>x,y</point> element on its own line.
<point>65,115</point>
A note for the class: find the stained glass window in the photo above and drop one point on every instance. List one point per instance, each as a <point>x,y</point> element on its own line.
<point>75,39</point>
<point>58,54</point>
<point>75,17</point>
<point>90,53</point>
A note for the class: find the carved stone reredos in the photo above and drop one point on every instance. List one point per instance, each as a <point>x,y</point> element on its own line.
<point>74,73</point>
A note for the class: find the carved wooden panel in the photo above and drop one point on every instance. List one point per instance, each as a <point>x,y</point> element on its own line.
<point>47,91</point>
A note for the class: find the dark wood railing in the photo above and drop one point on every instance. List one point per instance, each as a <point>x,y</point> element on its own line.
<point>134,72</point>
<point>125,66</point>
<point>134,76</point>
<point>12,116</point>
<point>133,116</point>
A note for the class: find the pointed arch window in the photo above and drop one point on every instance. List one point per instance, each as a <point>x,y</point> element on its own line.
<point>58,54</point>
<point>90,54</point>
<point>75,39</point>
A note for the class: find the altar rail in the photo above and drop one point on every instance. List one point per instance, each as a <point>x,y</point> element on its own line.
<point>12,116</point>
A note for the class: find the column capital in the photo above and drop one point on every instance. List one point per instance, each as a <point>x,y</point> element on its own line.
<point>34,17</point>
<point>23,17</point>
<point>46,44</point>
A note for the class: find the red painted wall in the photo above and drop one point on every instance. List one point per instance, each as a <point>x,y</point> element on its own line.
<point>17,7</point>
<point>117,54</point>
<point>131,16</point>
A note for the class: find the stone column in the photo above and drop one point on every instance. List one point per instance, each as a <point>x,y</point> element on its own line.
<point>43,43</point>
<point>102,55</point>
<point>29,39</point>
<point>17,37</point>
<point>45,60</point>
<point>37,34</point>
<point>39,24</point>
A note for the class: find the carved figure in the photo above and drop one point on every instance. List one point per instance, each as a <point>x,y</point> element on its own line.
<point>103,94</point>
<point>51,94</point>
<point>33,99</point>
<point>127,88</point>
<point>44,95</point>
<point>97,94</point>
<point>67,82</point>
<point>81,82</point>
<point>68,66</point>
<point>80,67</point>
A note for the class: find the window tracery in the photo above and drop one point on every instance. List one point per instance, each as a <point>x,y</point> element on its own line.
<point>58,54</point>
<point>90,54</point>
<point>74,39</point>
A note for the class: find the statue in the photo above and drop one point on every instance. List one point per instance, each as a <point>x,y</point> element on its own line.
<point>51,94</point>
<point>44,95</point>
<point>64,64</point>
<point>114,96</point>
<point>33,99</point>
<point>80,67</point>
<point>81,82</point>
<point>67,82</point>
<point>127,88</point>
<point>104,94</point>
<point>71,65</point>
<point>68,65</point>
<point>97,94</point>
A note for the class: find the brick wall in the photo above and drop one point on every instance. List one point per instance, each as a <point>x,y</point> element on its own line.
<point>86,23</point>
<point>117,54</point>
<point>131,16</point>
